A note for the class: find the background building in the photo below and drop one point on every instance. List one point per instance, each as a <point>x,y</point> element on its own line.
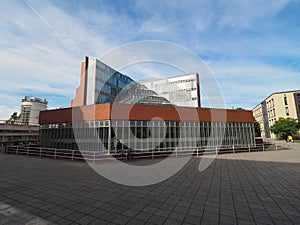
<point>12,134</point>
<point>181,90</point>
<point>99,83</point>
<point>30,110</point>
<point>277,105</point>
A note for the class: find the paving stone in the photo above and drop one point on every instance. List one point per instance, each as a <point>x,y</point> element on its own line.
<point>136,222</point>
<point>172,222</point>
<point>259,187</point>
<point>192,219</point>
<point>143,216</point>
<point>87,219</point>
<point>157,219</point>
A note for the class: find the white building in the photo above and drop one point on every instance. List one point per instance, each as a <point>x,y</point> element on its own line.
<point>30,110</point>
<point>183,90</point>
<point>277,105</point>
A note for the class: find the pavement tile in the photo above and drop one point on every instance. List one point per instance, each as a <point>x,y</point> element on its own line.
<point>227,219</point>
<point>172,222</point>
<point>121,220</point>
<point>144,216</point>
<point>135,222</point>
<point>245,222</point>
<point>87,219</point>
<point>192,219</point>
<point>177,216</point>
<point>236,188</point>
<point>157,219</point>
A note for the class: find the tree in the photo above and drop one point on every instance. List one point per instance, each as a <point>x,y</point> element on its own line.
<point>285,127</point>
<point>256,128</point>
<point>13,118</point>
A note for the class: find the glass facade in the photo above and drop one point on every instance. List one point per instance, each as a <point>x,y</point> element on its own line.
<point>136,93</point>
<point>112,137</point>
<point>108,83</point>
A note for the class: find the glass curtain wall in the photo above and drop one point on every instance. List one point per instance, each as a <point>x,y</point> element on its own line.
<point>119,135</point>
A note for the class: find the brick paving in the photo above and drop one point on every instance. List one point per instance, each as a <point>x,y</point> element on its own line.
<point>244,188</point>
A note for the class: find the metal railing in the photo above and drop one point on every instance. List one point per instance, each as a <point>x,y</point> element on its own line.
<point>136,154</point>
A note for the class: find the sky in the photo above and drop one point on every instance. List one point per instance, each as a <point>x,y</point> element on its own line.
<point>251,47</point>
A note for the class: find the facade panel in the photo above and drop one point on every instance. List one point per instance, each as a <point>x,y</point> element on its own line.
<point>181,90</point>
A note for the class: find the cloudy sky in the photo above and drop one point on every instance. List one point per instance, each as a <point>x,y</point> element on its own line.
<point>252,47</point>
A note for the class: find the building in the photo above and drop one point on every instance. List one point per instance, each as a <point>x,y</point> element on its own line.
<point>111,128</point>
<point>111,112</point>
<point>12,134</point>
<point>277,105</point>
<point>30,110</point>
<point>181,90</point>
<point>99,83</point>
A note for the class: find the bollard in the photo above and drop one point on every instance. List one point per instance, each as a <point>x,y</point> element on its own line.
<point>263,147</point>
<point>233,149</point>
<point>249,147</point>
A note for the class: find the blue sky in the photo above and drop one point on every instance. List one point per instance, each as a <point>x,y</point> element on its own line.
<point>252,47</point>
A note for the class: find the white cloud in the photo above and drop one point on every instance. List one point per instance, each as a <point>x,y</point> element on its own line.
<point>5,111</point>
<point>246,83</point>
<point>42,43</point>
<point>41,59</point>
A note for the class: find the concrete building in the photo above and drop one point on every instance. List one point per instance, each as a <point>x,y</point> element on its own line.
<point>30,110</point>
<point>12,134</point>
<point>277,105</point>
<point>183,90</point>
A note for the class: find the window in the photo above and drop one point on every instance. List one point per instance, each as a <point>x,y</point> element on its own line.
<point>285,100</point>
<point>287,111</point>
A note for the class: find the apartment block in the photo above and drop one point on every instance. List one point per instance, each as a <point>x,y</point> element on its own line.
<point>277,105</point>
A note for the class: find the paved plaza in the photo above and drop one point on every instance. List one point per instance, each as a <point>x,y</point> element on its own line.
<point>242,188</point>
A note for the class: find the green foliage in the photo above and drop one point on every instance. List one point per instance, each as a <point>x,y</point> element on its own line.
<point>285,126</point>
<point>239,108</point>
<point>256,128</point>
